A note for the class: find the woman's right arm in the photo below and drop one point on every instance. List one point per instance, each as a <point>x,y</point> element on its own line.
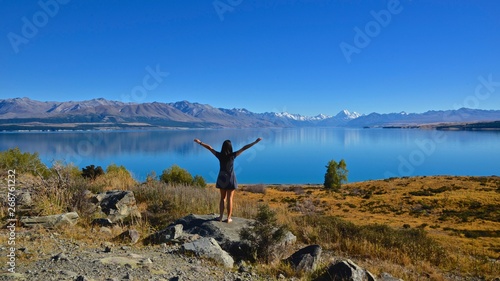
<point>206,146</point>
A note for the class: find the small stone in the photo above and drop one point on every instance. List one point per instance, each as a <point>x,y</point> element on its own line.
<point>24,250</point>
<point>60,257</point>
<point>130,236</point>
<point>146,261</point>
<point>68,273</point>
<point>82,278</point>
<point>106,230</point>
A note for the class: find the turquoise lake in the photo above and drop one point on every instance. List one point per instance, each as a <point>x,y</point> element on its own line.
<point>288,156</point>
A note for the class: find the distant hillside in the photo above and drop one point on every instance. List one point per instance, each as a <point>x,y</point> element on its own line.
<point>27,114</point>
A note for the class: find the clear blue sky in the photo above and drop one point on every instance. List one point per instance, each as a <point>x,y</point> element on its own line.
<point>263,55</point>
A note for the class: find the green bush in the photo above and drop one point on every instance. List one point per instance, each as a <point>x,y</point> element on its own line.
<point>178,175</point>
<point>14,159</point>
<point>92,172</point>
<point>113,168</point>
<point>199,181</point>
<point>263,236</point>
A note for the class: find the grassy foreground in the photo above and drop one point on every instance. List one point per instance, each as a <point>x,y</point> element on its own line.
<point>419,228</point>
<point>439,227</point>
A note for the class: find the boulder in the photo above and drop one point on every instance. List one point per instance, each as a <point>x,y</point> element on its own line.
<point>305,259</point>
<point>226,234</point>
<point>67,219</point>
<point>345,270</point>
<point>129,236</point>
<point>117,205</point>
<point>209,248</point>
<point>172,233</point>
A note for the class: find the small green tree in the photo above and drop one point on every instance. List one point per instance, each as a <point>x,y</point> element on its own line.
<point>336,174</point>
<point>176,175</point>
<point>264,235</point>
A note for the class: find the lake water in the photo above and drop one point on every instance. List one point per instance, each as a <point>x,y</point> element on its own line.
<point>291,155</point>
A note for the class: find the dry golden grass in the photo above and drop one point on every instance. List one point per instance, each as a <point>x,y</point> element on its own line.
<point>458,217</point>
<point>461,213</point>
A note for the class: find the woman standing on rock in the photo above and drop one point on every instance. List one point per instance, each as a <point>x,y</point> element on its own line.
<point>226,180</point>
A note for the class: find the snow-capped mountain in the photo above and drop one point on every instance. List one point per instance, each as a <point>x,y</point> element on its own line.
<point>298,117</point>
<point>347,115</point>
<point>21,113</point>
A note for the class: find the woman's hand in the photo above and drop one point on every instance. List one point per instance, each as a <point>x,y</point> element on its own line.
<point>197,141</point>
<point>259,139</point>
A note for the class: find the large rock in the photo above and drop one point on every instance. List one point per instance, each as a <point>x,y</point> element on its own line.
<point>305,259</point>
<point>68,219</point>
<point>209,248</point>
<point>346,270</point>
<point>226,234</point>
<point>117,205</point>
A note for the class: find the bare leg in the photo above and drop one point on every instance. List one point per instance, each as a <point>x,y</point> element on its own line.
<point>229,198</point>
<point>223,194</point>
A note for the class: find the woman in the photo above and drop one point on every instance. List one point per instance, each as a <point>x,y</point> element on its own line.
<point>226,180</point>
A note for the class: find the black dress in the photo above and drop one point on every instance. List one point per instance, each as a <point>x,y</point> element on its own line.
<point>226,178</point>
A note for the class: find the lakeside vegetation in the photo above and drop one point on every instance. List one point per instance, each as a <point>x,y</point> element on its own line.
<point>436,228</point>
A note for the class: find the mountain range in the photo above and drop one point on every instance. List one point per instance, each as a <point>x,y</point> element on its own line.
<point>25,113</point>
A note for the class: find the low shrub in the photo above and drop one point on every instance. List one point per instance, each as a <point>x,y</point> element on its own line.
<point>179,176</point>
<point>92,172</point>
<point>22,162</point>
<point>263,236</point>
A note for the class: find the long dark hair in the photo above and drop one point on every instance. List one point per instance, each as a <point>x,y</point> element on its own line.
<point>227,148</point>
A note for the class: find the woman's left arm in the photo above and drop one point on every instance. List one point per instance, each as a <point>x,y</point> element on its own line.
<point>247,146</point>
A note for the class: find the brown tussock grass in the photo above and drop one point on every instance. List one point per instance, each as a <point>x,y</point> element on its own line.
<point>444,207</point>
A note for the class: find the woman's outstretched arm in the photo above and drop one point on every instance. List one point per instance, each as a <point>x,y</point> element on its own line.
<point>247,146</point>
<point>205,146</point>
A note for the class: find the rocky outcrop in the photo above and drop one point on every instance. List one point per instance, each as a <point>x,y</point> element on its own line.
<point>67,219</point>
<point>118,205</point>
<point>227,235</point>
